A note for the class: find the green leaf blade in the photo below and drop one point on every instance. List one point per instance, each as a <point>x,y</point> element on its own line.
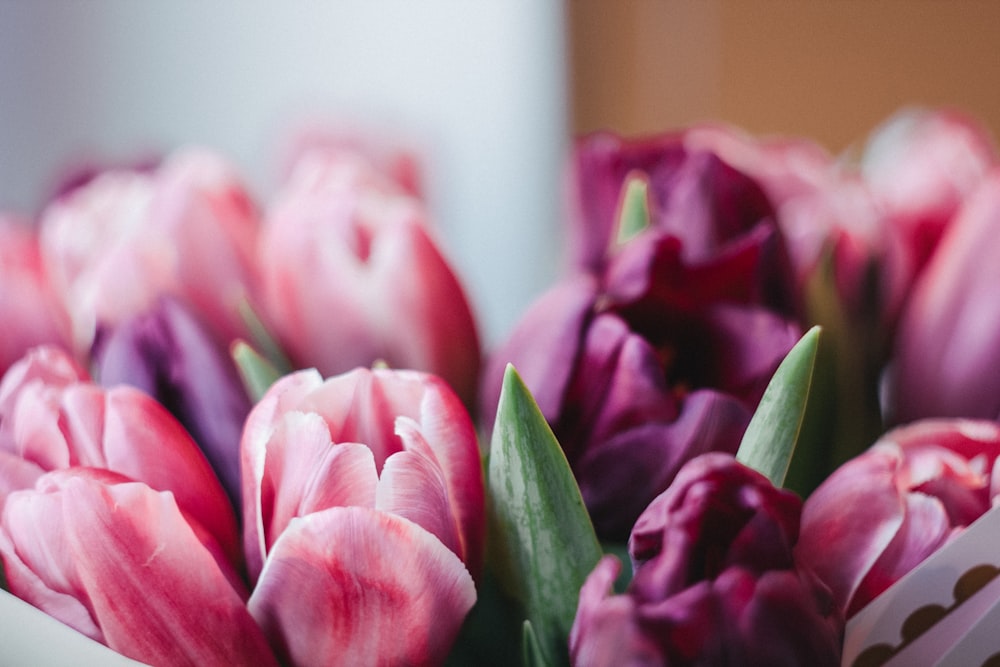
<point>774,431</point>
<point>542,539</point>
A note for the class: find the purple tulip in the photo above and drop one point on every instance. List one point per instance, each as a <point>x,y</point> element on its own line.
<point>883,512</point>
<point>167,353</point>
<point>637,373</point>
<point>702,189</point>
<point>715,581</point>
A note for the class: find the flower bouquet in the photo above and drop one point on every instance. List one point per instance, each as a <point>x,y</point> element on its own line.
<point>753,423</point>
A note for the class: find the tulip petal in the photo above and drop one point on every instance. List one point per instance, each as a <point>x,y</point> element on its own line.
<point>834,544</point>
<point>153,591</point>
<point>356,586</point>
<point>606,630</point>
<point>304,472</point>
<point>621,476</point>
<point>543,347</point>
<point>925,529</point>
<point>412,485</point>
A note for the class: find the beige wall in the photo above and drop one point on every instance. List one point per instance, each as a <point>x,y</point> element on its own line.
<point>827,69</point>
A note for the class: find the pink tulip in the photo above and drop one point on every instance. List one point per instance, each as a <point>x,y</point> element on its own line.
<point>351,276</point>
<point>53,417</point>
<point>882,513</point>
<point>920,166</point>
<point>124,565</point>
<point>363,517</point>
<point>947,346</point>
<point>29,308</point>
<point>116,243</point>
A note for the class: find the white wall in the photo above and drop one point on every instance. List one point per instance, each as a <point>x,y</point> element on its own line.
<point>481,84</point>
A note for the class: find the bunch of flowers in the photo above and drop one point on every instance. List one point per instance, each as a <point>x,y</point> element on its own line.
<point>243,432</point>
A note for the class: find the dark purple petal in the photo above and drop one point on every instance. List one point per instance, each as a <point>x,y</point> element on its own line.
<point>543,347</point>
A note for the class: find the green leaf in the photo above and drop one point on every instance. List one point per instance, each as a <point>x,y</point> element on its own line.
<point>263,340</point>
<point>256,372</point>
<point>531,650</point>
<point>634,214</point>
<point>774,431</point>
<point>542,542</point>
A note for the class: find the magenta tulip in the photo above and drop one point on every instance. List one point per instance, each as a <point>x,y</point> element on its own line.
<point>364,516</point>
<point>715,581</point>
<point>187,228</point>
<point>883,512</point>
<point>31,312</point>
<point>52,416</point>
<point>352,276</point>
<point>124,565</point>
<point>645,368</point>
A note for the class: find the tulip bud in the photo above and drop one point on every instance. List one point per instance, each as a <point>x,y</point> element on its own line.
<point>124,565</point>
<point>187,229</point>
<point>882,513</point>
<point>364,513</point>
<point>352,276</point>
<point>715,581</point>
<point>167,353</point>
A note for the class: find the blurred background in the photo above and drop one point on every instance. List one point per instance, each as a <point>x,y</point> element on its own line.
<point>489,92</point>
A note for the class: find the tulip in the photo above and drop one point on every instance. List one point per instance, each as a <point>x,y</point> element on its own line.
<point>715,581</point>
<point>639,372</point>
<point>714,205</point>
<point>29,309</point>
<point>187,228</point>
<point>52,416</point>
<point>947,344</point>
<point>921,165</point>
<point>351,276</point>
<point>124,565</point>
<point>169,354</point>
<point>882,513</point>
<point>364,515</point>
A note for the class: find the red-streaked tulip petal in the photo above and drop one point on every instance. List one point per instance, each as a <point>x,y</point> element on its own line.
<point>834,544</point>
<point>355,586</point>
<point>449,432</point>
<point>303,473</point>
<point>413,486</point>
<point>419,288</point>
<point>125,551</point>
<point>144,441</point>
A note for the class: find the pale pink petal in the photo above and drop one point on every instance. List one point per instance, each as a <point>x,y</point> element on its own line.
<point>355,586</point>
<point>449,432</point>
<point>16,473</point>
<point>303,473</point>
<point>412,486</point>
